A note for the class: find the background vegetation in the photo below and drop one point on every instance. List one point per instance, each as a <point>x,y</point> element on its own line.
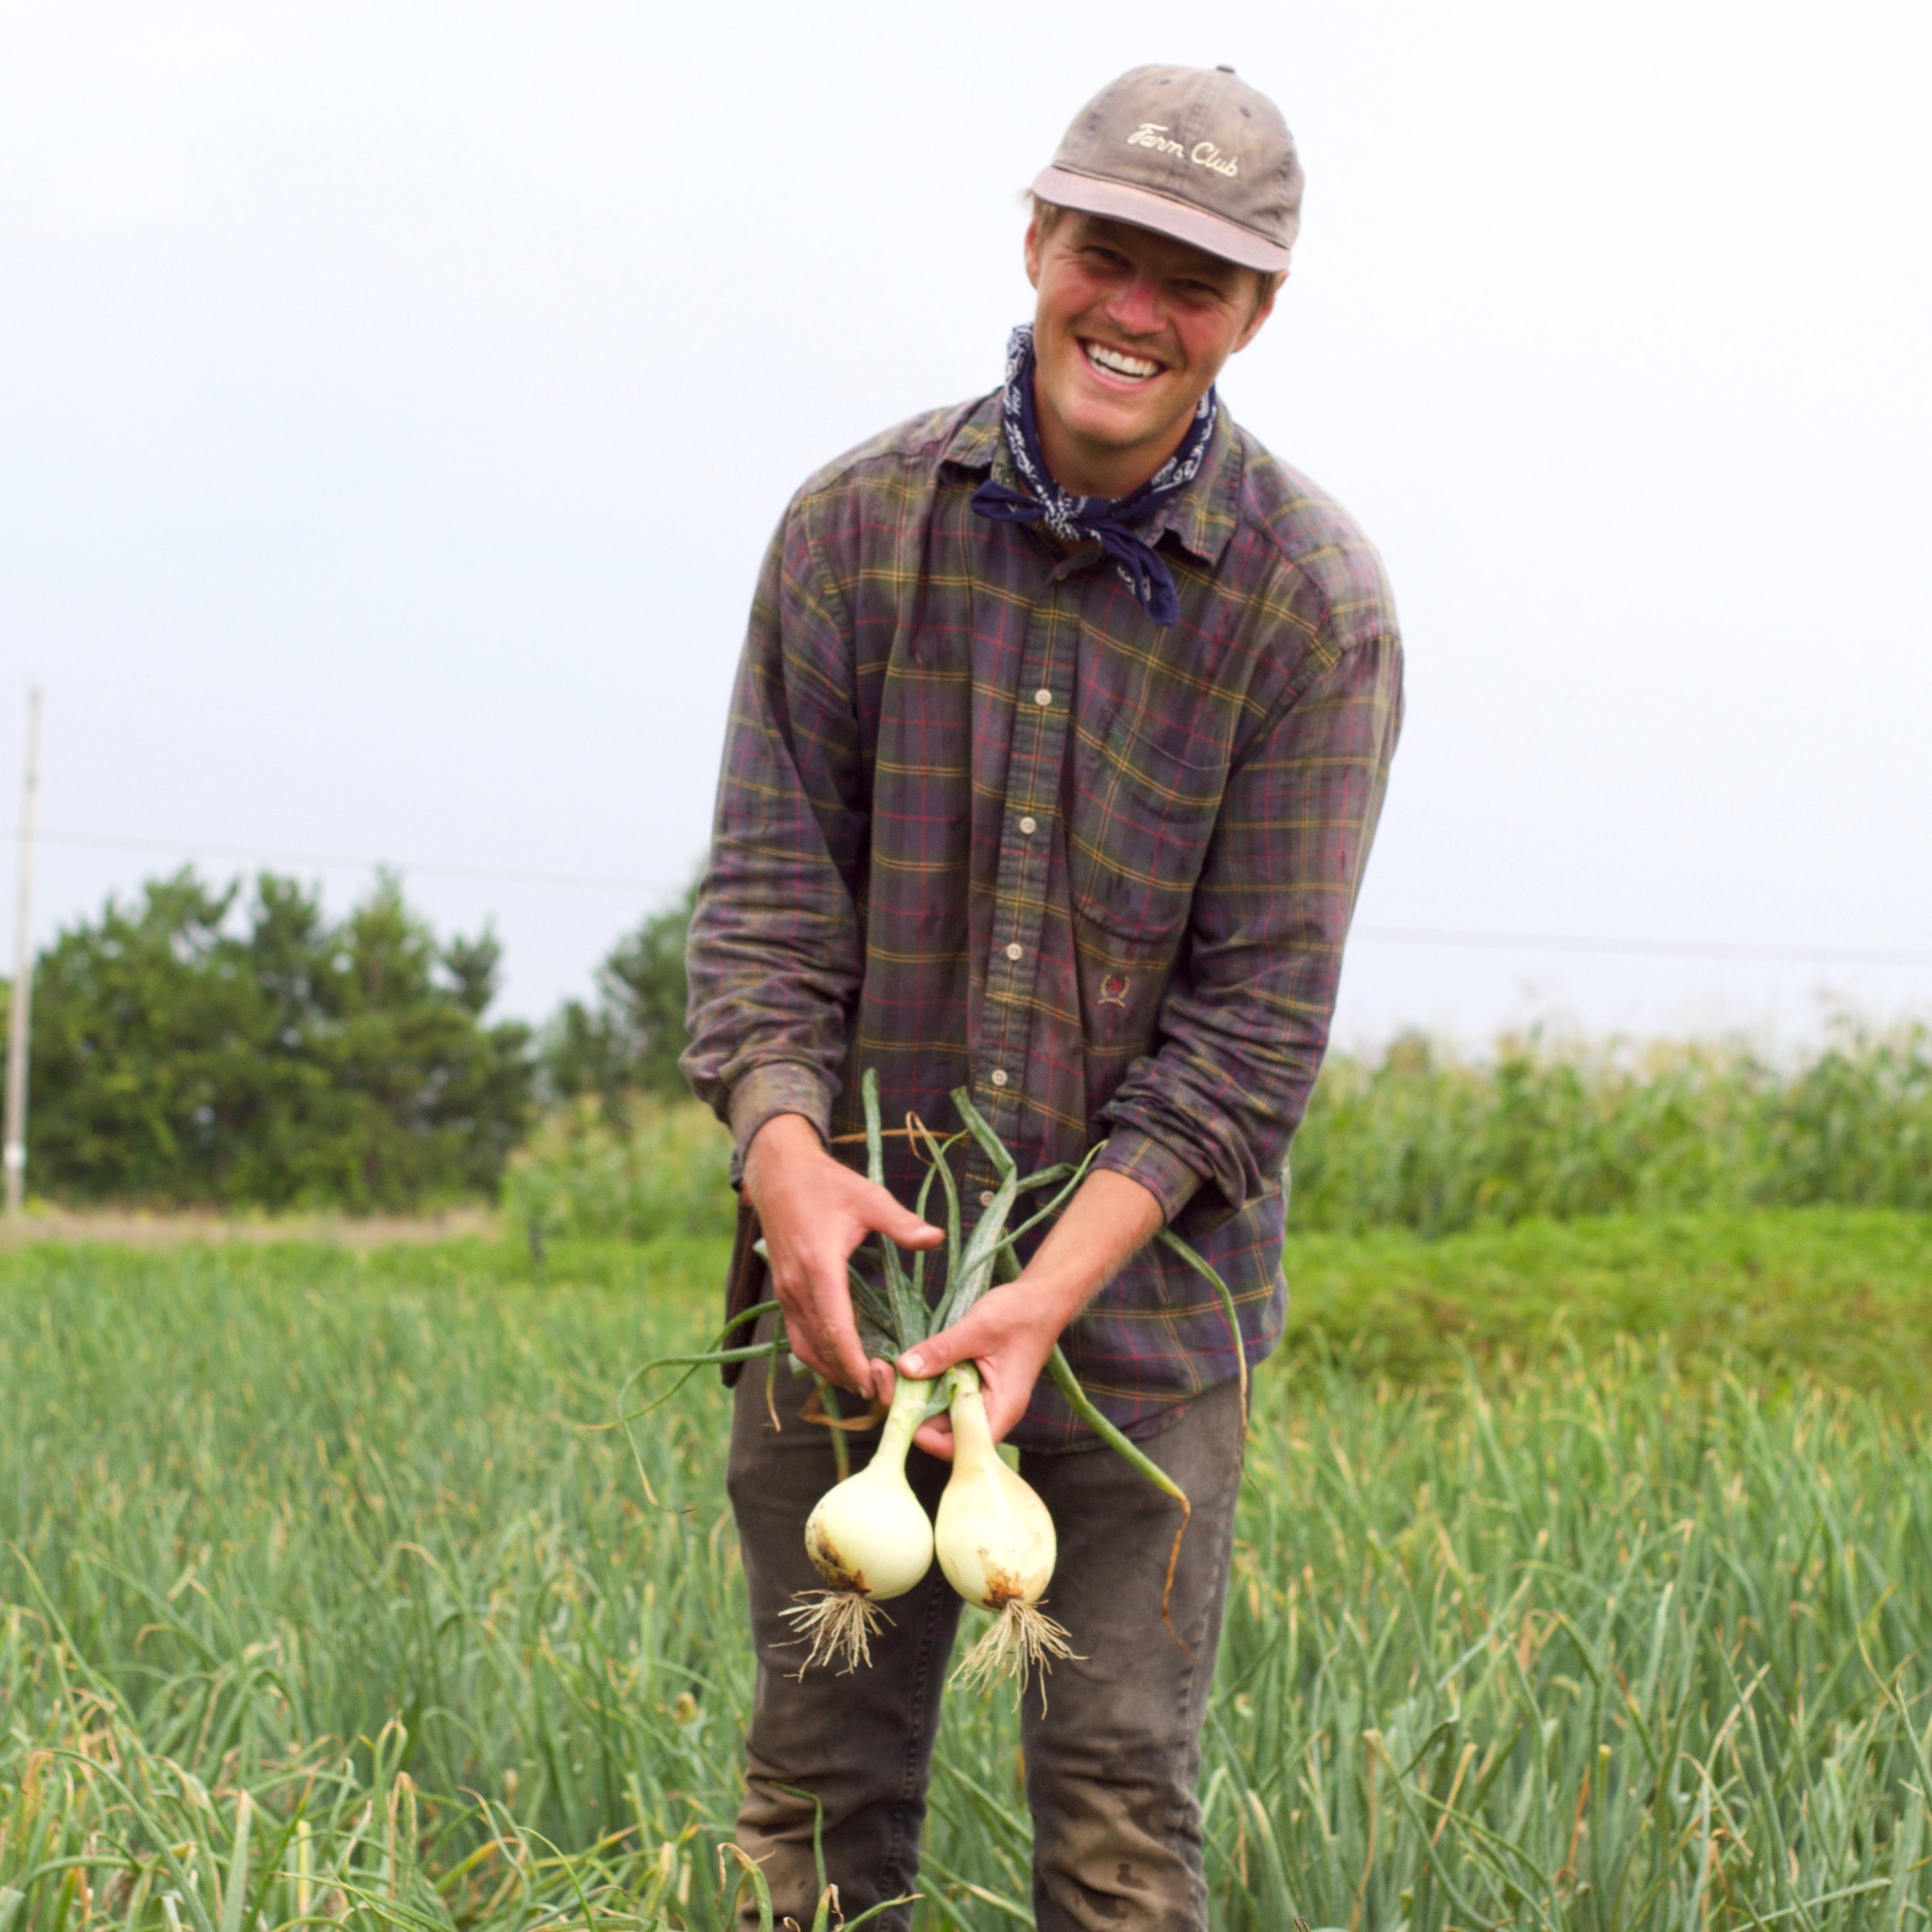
<point>329,1597</point>
<point>202,1047</point>
<point>627,1039</point>
<point>1581,1571</point>
<point>658,1168</point>
<point>207,1046</point>
<point>1544,1126</point>
<point>231,1046</point>
<point>1420,1139</point>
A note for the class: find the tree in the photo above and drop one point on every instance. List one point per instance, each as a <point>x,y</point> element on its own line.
<point>628,1041</point>
<point>188,1049</point>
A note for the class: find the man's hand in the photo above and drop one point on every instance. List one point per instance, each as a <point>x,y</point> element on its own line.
<point>1011,1330</point>
<point>814,1211</point>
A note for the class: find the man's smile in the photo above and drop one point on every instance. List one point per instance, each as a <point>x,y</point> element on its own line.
<point>1119,365</point>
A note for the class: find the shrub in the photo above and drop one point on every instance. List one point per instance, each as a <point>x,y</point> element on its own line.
<point>657,1167</point>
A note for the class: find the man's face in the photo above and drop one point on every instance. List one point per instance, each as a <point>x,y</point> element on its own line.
<point>1131,329</point>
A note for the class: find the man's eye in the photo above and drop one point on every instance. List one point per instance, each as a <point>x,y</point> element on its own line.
<point>1106,258</point>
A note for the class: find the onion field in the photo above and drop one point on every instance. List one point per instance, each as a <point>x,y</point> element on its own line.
<point>1584,1581</point>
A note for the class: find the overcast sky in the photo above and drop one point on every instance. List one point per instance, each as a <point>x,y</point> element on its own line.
<point>397,397</point>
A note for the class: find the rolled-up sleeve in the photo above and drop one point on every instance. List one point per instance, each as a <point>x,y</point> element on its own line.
<point>775,956</point>
<point>1205,1120</point>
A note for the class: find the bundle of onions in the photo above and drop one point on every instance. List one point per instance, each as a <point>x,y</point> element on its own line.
<point>869,1537</point>
<point>995,1543</point>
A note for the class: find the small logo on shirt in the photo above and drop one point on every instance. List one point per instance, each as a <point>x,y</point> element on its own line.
<point>1203,153</point>
<point>1114,990</point>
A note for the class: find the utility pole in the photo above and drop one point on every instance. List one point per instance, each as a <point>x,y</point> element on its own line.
<point>19,1007</point>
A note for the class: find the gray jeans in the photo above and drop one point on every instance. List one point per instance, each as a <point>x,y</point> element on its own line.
<point>1111,1767</point>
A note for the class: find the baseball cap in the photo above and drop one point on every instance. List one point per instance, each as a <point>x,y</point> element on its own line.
<point>1192,152</point>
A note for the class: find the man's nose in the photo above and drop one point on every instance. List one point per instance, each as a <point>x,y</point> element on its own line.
<point>1135,306</point>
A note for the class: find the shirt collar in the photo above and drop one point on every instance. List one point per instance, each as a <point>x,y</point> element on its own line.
<point>1200,518</point>
<point>975,442</point>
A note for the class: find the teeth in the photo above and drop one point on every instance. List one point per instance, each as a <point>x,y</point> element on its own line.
<point>1117,362</point>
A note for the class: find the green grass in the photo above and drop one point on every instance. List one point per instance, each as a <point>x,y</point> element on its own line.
<point>1844,1294</point>
<point>1583,1579</point>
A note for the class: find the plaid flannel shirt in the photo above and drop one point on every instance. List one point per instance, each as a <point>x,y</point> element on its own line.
<point>982,822</point>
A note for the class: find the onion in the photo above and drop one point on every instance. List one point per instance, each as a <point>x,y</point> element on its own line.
<point>870,1539</point>
<point>995,1543</point>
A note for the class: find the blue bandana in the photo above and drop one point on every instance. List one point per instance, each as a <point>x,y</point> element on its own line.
<point>1086,519</point>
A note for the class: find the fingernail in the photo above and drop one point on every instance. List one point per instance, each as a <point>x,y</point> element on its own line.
<point>914,1366</point>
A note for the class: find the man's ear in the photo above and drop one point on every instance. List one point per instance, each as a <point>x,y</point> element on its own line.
<point>1262,310</point>
<point>1032,251</point>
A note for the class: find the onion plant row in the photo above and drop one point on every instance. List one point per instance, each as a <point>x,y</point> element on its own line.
<point>330,1598</point>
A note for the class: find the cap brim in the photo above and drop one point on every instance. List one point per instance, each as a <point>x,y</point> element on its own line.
<point>1163,214</point>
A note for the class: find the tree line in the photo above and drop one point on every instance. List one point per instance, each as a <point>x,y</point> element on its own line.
<point>234,1046</point>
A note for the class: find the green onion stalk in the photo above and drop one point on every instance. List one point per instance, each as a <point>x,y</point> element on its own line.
<point>869,1538</point>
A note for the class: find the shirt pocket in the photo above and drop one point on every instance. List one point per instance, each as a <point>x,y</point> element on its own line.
<point>1122,984</point>
<point>1143,810</point>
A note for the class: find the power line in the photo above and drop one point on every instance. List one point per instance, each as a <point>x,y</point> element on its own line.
<point>1658,948</point>
<point>443,868</point>
<point>1374,935</point>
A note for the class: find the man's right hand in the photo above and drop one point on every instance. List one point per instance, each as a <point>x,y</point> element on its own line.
<point>814,1211</point>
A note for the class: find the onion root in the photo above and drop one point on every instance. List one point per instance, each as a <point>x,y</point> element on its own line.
<point>1020,1639</point>
<point>840,1625</point>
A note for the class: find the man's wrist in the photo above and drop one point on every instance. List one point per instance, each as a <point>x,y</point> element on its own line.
<point>785,1134</point>
<point>774,1088</point>
<point>1111,1218</point>
<point>777,1150</point>
<point>1056,1293</point>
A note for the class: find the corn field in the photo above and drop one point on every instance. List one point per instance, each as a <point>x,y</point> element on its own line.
<point>1546,1125</point>
<point>1541,1126</point>
<point>330,1597</point>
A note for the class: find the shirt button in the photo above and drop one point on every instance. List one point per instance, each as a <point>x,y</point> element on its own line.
<point>1030,824</point>
<point>1042,696</point>
<point>1014,950</point>
<point>997,1076</point>
<point>986,1197</point>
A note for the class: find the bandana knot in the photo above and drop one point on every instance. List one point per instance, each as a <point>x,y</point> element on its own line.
<point>1107,521</point>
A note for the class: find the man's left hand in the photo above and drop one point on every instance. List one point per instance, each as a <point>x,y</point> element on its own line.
<point>1010,1331</point>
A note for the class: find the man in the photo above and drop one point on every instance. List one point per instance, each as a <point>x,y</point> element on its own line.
<point>1058,742</point>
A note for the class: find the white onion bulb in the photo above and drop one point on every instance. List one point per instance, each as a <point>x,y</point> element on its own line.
<point>995,1543</point>
<point>870,1539</point>
<point>870,1533</point>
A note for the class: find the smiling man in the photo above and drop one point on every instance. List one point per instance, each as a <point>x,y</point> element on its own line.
<point>1058,742</point>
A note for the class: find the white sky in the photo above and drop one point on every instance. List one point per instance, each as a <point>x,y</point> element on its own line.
<point>397,398</point>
